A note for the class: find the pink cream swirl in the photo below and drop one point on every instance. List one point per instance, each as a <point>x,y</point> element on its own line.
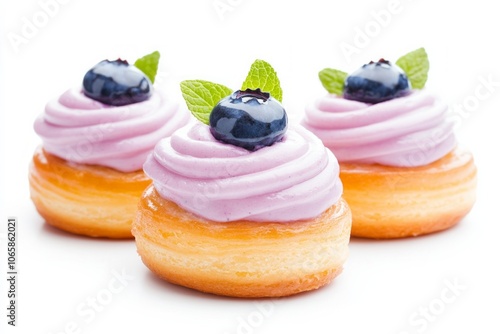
<point>296,178</point>
<point>82,130</point>
<point>407,132</point>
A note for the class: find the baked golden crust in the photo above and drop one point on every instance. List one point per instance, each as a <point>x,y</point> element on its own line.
<point>396,202</point>
<point>83,199</point>
<point>241,258</point>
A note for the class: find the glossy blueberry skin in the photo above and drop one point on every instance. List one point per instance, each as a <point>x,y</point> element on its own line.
<point>249,119</point>
<point>116,83</point>
<point>376,82</point>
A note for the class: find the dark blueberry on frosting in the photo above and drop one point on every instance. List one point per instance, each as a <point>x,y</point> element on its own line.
<point>116,83</point>
<point>250,119</point>
<point>376,82</point>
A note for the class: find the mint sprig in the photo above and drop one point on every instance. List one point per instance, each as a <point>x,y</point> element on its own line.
<point>262,75</point>
<point>202,96</point>
<point>149,65</point>
<point>416,66</point>
<point>333,80</point>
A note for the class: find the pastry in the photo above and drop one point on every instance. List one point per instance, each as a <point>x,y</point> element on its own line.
<point>402,170</point>
<point>87,176</point>
<point>242,204</point>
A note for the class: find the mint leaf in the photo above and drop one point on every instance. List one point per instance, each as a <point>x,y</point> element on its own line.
<point>149,65</point>
<point>202,96</point>
<point>332,80</point>
<point>416,66</point>
<point>263,76</point>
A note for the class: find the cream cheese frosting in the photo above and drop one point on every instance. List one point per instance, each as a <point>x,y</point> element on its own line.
<point>408,131</point>
<point>79,129</point>
<point>294,179</point>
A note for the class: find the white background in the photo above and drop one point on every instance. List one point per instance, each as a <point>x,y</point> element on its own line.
<point>385,284</point>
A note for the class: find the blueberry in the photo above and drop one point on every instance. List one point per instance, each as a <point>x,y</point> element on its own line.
<point>250,119</point>
<point>116,83</point>
<point>376,82</point>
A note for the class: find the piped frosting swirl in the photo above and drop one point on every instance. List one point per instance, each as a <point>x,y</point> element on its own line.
<point>407,132</point>
<point>296,178</point>
<point>79,129</point>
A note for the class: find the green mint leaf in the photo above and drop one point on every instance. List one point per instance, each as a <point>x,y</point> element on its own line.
<point>202,96</point>
<point>416,66</point>
<point>332,80</point>
<point>263,76</point>
<point>149,65</point>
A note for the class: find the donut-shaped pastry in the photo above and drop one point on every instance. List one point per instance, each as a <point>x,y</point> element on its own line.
<point>403,172</point>
<point>228,221</point>
<point>84,199</point>
<point>396,202</point>
<point>87,176</point>
<point>241,258</point>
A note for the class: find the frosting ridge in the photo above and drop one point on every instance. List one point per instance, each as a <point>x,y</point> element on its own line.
<point>296,178</point>
<point>76,128</point>
<point>408,131</point>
